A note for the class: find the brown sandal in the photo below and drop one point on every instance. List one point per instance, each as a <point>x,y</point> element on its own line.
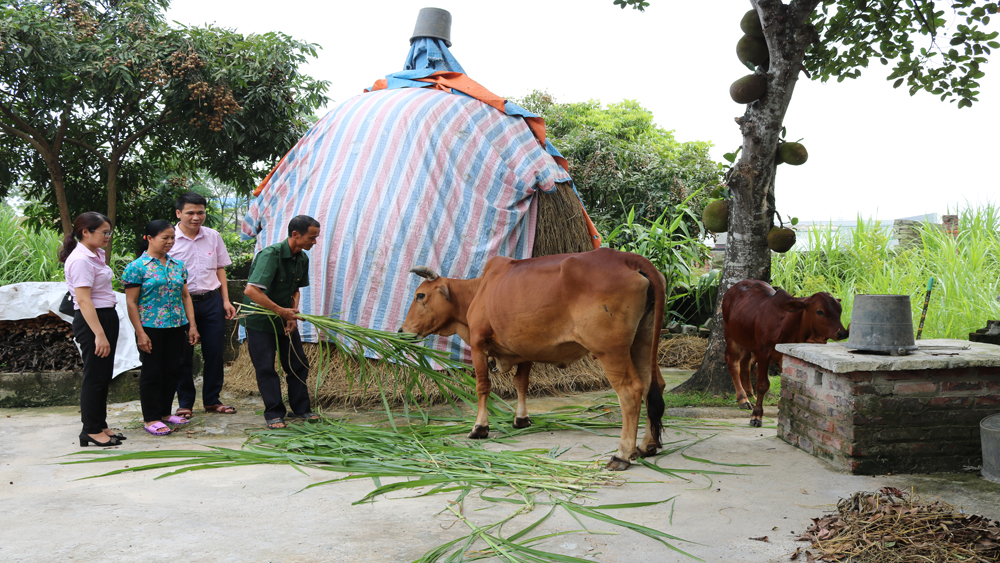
<point>221,409</point>
<point>185,413</point>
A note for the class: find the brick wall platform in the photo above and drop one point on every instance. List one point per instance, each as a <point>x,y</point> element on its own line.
<point>871,414</point>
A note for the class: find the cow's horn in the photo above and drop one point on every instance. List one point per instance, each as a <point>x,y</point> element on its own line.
<point>425,272</point>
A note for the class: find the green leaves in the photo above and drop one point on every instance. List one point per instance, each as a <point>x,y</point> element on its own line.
<point>26,255</point>
<point>617,153</point>
<point>910,34</point>
<point>102,87</point>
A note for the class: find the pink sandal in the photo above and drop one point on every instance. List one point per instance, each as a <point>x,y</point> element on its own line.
<point>174,419</point>
<point>158,429</point>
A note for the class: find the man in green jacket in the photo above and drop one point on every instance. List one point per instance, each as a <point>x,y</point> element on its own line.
<point>276,275</point>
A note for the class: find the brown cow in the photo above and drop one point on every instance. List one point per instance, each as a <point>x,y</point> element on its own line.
<point>756,317</point>
<point>557,309</point>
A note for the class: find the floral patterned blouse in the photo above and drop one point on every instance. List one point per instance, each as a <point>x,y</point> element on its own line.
<point>160,302</point>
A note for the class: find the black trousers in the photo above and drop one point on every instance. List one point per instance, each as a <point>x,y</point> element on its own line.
<point>210,317</point>
<point>161,370</point>
<point>262,347</point>
<point>97,372</point>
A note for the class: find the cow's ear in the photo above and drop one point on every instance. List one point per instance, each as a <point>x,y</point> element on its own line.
<point>794,305</point>
<point>839,301</point>
<point>444,291</point>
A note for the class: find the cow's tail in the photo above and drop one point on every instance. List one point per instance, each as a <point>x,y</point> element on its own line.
<point>654,397</point>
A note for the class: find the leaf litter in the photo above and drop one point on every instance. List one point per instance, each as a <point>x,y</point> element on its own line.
<point>893,526</point>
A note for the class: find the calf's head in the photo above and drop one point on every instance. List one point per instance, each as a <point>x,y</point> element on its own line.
<point>432,310</point>
<point>820,317</point>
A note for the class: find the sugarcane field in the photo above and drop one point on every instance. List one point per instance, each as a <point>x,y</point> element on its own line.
<point>541,282</point>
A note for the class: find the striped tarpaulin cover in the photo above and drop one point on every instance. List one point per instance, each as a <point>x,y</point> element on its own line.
<point>401,178</point>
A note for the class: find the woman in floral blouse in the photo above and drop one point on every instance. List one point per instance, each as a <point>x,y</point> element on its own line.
<point>162,313</point>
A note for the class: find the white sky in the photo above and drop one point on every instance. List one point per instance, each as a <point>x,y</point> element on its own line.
<point>873,150</point>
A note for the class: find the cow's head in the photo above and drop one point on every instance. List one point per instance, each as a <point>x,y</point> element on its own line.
<point>432,310</point>
<point>820,317</point>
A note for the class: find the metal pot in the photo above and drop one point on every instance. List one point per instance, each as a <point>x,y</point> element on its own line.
<point>882,323</point>
<point>989,433</point>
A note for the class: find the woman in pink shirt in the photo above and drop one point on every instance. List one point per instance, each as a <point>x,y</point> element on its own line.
<point>95,321</point>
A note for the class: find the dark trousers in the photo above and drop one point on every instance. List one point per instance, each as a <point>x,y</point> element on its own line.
<point>262,347</point>
<point>97,371</point>
<point>210,317</point>
<point>160,370</point>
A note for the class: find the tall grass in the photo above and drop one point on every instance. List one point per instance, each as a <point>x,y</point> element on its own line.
<point>26,255</point>
<point>966,270</point>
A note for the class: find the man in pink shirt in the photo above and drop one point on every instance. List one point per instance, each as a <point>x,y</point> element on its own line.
<point>205,257</point>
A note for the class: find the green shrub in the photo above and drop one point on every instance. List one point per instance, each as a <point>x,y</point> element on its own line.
<point>966,270</point>
<point>25,254</point>
<point>671,245</point>
<point>240,252</point>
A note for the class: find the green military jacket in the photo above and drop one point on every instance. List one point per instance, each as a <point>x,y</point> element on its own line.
<point>279,274</point>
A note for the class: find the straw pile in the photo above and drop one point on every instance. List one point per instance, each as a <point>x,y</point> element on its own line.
<point>682,352</point>
<point>340,385</point>
<point>561,227</point>
<point>887,527</point>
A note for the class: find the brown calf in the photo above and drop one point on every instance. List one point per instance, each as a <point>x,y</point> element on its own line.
<point>756,317</point>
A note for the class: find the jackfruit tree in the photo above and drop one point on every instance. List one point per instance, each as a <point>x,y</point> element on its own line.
<point>95,92</point>
<point>937,48</point>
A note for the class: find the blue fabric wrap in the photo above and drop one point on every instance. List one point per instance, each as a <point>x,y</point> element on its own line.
<point>430,53</point>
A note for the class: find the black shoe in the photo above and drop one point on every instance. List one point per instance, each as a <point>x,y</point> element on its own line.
<point>118,435</point>
<point>86,440</point>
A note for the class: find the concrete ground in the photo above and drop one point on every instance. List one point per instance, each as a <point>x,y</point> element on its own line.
<point>256,513</point>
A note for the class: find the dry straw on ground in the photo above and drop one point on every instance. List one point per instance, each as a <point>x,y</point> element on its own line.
<point>682,352</point>
<point>340,384</point>
<point>890,526</point>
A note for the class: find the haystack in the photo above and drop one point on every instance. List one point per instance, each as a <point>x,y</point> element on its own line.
<point>426,168</point>
<point>561,228</point>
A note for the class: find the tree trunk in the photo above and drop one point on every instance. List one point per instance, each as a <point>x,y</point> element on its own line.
<point>112,202</point>
<point>751,179</point>
<point>58,185</point>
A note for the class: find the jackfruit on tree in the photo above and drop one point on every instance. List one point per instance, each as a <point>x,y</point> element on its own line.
<point>752,50</point>
<point>748,89</point>
<point>792,153</point>
<point>780,239</point>
<point>716,216</point>
<point>750,24</point>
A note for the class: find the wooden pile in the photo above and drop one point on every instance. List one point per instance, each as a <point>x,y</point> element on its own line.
<point>44,343</point>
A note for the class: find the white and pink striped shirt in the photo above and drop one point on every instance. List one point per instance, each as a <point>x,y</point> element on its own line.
<point>202,257</point>
<point>87,269</point>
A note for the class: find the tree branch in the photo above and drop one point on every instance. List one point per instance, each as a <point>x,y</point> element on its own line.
<point>124,147</point>
<point>18,133</point>
<point>917,9</point>
<point>9,114</point>
<point>88,148</point>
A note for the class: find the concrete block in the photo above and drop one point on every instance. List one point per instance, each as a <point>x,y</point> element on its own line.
<point>59,388</point>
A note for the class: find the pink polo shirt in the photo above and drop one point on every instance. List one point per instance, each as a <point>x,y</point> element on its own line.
<point>202,257</point>
<point>87,269</point>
